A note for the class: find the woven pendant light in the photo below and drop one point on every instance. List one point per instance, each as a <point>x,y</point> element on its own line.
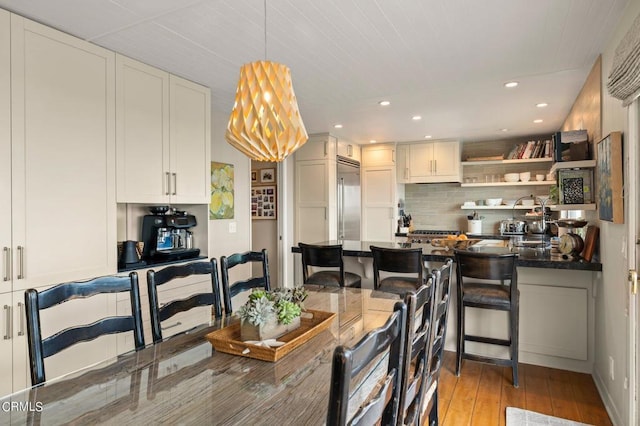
<point>265,123</point>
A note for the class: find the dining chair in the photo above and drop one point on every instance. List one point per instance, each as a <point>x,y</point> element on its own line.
<point>160,313</point>
<point>326,256</point>
<point>231,290</point>
<point>417,335</point>
<point>377,360</point>
<point>441,279</point>
<point>488,281</point>
<point>36,301</point>
<point>407,262</point>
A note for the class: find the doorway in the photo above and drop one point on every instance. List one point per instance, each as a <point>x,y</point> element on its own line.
<point>264,215</point>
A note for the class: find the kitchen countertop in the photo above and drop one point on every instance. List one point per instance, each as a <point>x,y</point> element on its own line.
<point>528,257</point>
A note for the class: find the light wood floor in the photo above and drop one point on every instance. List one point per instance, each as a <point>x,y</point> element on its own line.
<point>482,393</point>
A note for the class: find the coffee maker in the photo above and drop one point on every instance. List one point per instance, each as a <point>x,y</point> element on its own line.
<point>166,235</point>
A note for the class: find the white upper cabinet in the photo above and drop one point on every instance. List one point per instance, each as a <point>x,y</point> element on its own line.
<point>320,146</point>
<point>349,150</point>
<point>379,155</point>
<point>63,220</point>
<point>429,162</point>
<point>163,136</point>
<point>190,141</point>
<point>5,150</point>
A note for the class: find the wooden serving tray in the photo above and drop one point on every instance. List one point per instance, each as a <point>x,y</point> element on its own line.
<point>312,322</point>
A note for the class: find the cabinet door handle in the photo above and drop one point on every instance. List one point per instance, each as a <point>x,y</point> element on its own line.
<point>20,262</point>
<point>325,148</point>
<point>175,183</point>
<point>171,326</point>
<point>21,319</point>
<point>406,173</point>
<point>393,155</point>
<point>431,166</point>
<point>7,327</point>
<point>435,166</point>
<point>350,150</point>
<point>168,182</point>
<point>6,262</point>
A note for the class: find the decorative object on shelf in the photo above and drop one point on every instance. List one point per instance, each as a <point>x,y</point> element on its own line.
<point>254,176</point>
<point>264,202</point>
<point>610,203</point>
<point>265,122</point>
<point>221,205</point>
<point>270,314</point>
<point>563,146</point>
<point>575,186</point>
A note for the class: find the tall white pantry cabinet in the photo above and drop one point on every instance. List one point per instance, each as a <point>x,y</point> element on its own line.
<point>58,175</point>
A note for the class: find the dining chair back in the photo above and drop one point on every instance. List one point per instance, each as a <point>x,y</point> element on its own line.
<point>441,279</point>
<point>398,261</point>
<point>160,313</point>
<point>35,301</point>
<point>418,333</point>
<point>488,281</point>
<point>377,399</point>
<point>230,290</point>
<point>329,256</point>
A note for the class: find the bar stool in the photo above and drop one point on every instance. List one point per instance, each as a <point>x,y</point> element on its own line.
<point>326,257</point>
<point>488,281</point>
<point>399,261</point>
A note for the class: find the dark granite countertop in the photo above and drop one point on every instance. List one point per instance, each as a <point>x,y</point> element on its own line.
<point>527,257</point>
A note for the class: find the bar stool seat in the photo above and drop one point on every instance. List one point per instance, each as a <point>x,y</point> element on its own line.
<point>407,262</point>
<point>329,256</point>
<point>487,294</point>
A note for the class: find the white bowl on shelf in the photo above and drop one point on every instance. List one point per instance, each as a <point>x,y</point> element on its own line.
<point>528,202</point>
<point>492,202</point>
<point>540,177</point>
<point>525,176</point>
<point>511,177</point>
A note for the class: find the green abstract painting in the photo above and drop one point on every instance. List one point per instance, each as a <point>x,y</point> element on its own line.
<point>221,206</point>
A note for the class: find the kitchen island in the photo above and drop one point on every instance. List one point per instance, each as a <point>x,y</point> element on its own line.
<point>557,302</point>
<point>528,257</point>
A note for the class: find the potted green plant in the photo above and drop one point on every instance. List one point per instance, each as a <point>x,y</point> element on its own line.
<point>270,314</point>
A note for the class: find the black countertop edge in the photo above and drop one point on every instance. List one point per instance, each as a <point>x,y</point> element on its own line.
<point>149,265</point>
<point>443,256</point>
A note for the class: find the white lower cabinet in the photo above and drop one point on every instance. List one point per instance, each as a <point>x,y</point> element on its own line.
<point>13,346</point>
<point>177,289</point>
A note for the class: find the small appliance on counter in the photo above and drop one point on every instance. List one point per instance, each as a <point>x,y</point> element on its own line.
<point>129,255</point>
<point>166,235</point>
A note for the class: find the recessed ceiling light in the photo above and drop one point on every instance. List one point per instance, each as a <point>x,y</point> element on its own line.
<point>384,103</point>
<point>511,84</point>
<point>337,126</point>
<point>372,141</point>
<point>539,120</point>
<point>416,118</point>
<point>504,130</point>
<point>427,136</point>
<point>542,104</point>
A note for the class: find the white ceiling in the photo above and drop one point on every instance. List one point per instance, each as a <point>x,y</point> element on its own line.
<point>444,60</point>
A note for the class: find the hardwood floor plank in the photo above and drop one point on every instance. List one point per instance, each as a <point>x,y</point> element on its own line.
<point>559,393</point>
<point>537,389</point>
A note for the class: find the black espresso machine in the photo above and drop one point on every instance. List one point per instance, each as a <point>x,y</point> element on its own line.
<point>166,235</point>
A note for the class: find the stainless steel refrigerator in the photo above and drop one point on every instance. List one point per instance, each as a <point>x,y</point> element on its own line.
<point>348,199</point>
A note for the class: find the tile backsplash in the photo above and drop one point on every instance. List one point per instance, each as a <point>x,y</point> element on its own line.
<point>437,205</point>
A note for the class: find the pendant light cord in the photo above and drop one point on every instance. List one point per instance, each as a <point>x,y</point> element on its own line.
<point>265,30</point>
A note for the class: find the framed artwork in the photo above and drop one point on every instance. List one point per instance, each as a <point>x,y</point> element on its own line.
<point>609,169</point>
<point>267,175</point>
<point>254,175</point>
<point>263,202</point>
<point>221,204</point>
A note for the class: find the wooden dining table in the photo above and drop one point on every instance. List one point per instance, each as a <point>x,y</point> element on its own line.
<point>183,380</point>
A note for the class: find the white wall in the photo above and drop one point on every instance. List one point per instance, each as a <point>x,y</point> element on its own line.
<point>612,292</point>
<point>221,241</point>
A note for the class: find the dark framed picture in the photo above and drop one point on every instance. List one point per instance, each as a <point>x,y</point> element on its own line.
<point>254,175</point>
<point>267,175</point>
<point>609,169</point>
